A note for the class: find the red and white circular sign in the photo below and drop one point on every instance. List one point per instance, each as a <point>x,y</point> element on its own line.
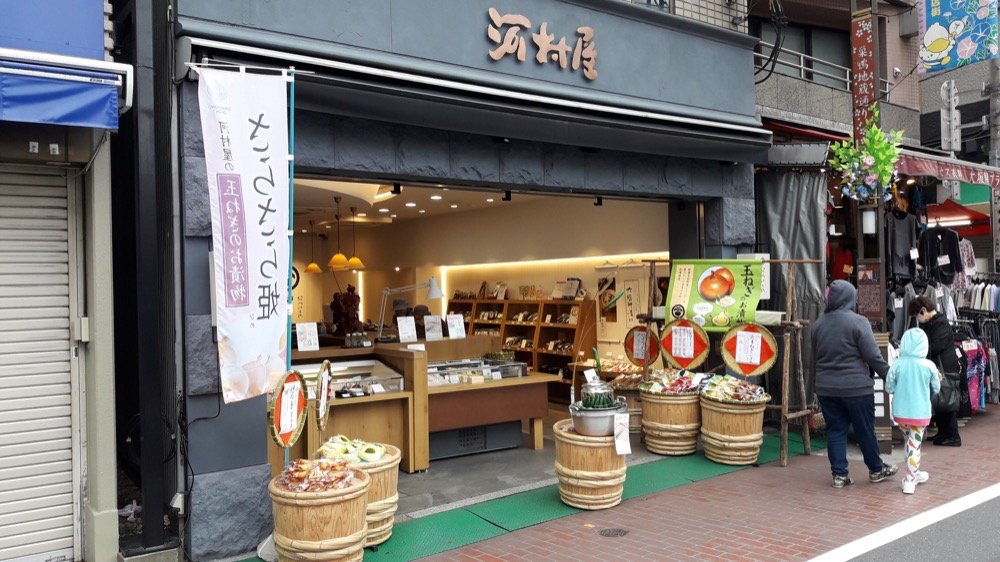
<point>685,344</point>
<point>287,410</point>
<point>749,349</point>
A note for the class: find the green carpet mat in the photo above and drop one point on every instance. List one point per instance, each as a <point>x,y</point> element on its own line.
<point>452,529</point>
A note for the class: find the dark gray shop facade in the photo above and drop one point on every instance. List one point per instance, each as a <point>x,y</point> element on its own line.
<point>403,90</point>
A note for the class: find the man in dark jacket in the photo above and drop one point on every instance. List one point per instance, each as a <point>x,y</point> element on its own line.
<point>845,353</point>
<point>941,351</point>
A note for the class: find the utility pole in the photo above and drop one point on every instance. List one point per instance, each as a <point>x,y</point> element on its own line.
<point>951,130</point>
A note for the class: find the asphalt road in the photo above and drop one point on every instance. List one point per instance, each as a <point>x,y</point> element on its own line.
<point>973,534</point>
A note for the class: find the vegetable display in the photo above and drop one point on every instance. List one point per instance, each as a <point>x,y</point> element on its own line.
<point>303,475</point>
<point>342,448</point>
<point>599,400</point>
<point>726,387</point>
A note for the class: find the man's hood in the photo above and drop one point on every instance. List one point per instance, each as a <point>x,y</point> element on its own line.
<point>841,296</point>
<point>914,344</point>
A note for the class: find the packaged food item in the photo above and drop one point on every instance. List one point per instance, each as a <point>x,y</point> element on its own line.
<point>343,448</point>
<point>726,387</point>
<point>671,381</point>
<point>627,382</point>
<point>320,475</point>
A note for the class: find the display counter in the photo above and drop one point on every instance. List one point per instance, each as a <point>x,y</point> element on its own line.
<point>406,419</point>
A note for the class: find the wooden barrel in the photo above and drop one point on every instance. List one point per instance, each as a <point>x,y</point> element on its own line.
<point>670,422</point>
<point>634,405</point>
<point>732,432</point>
<point>317,526</point>
<point>383,495</point>
<point>591,473</point>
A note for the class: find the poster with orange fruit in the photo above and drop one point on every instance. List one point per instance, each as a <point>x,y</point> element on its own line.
<point>715,294</point>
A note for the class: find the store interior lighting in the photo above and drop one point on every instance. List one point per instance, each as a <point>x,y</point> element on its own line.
<point>313,267</point>
<point>950,223</point>
<point>355,262</point>
<point>433,293</point>
<point>338,262</point>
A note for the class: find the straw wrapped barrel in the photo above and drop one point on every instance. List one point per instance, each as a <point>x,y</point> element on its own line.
<point>591,472</point>
<point>383,495</point>
<point>634,405</point>
<point>731,431</point>
<point>670,422</point>
<point>315,526</point>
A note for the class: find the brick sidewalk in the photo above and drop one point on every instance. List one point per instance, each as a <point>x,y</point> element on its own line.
<point>764,513</point>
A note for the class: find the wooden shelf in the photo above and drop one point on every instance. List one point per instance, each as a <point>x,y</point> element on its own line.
<point>490,322</point>
<point>559,326</point>
<point>513,381</point>
<point>379,397</point>
<point>555,352</point>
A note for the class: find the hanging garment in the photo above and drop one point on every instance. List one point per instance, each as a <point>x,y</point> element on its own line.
<point>901,231</point>
<point>975,358</point>
<point>899,306</point>
<point>843,264</point>
<point>968,268</point>
<point>939,253</point>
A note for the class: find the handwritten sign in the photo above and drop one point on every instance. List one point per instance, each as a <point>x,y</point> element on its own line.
<point>306,336</point>
<point>748,348</point>
<point>407,326</point>
<point>683,342</point>
<point>456,326</point>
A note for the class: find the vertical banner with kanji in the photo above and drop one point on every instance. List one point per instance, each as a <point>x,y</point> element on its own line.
<point>715,294</point>
<point>864,71</point>
<point>955,33</point>
<point>245,130</point>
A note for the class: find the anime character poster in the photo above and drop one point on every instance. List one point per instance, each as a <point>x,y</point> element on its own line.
<point>955,33</point>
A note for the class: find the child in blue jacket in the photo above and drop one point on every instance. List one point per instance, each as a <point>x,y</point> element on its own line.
<point>912,380</point>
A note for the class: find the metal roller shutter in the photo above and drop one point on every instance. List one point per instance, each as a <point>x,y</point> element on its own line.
<point>39,448</point>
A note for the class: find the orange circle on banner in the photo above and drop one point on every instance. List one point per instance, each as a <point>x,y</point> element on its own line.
<point>768,350</point>
<point>274,410</point>
<point>698,352</point>
<point>652,347</point>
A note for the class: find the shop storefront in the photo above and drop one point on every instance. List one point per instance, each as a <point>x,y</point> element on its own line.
<point>60,99</point>
<point>606,105</point>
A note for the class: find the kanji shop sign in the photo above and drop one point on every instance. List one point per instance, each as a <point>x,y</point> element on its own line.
<point>509,34</point>
<point>245,130</point>
<point>864,71</point>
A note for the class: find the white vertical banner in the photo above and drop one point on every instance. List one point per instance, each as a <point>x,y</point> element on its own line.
<point>244,122</point>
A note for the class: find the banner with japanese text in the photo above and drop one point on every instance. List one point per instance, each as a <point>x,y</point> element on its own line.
<point>955,33</point>
<point>715,294</point>
<point>244,122</point>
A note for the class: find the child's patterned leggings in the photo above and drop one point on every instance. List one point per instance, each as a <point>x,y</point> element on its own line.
<point>913,436</point>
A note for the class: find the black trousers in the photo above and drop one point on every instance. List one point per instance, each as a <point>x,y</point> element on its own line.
<point>947,424</point>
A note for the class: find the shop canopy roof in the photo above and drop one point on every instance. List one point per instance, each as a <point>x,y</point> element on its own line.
<point>965,221</point>
<point>943,168</point>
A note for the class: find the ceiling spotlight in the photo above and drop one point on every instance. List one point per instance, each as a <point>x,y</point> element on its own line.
<point>383,210</point>
<point>397,268</point>
<point>304,231</point>
<point>411,204</point>
<point>422,211</point>
<point>490,200</point>
<point>362,214</point>
<point>506,195</point>
<point>454,205</point>
<point>392,215</point>
<point>822,170</point>
<point>435,197</point>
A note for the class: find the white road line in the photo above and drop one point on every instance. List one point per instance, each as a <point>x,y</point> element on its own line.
<point>908,526</point>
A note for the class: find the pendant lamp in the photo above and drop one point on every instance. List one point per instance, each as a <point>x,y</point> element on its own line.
<point>355,262</point>
<point>339,261</point>
<point>313,267</point>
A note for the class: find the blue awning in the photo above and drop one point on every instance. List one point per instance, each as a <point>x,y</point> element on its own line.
<point>34,93</point>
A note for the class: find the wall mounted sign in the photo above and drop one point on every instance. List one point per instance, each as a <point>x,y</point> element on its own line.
<point>749,349</point>
<point>286,411</point>
<point>865,83</point>
<point>685,344</point>
<point>509,33</point>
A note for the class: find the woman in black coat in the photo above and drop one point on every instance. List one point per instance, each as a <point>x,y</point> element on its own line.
<point>941,351</point>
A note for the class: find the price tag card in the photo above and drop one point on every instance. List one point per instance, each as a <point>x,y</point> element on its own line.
<point>682,342</point>
<point>897,303</point>
<point>944,260</point>
<point>407,329</point>
<point>456,326</point>
<point>748,348</point>
<point>914,254</point>
<point>289,407</point>
<point>622,444</point>
<point>848,269</point>
<point>639,346</point>
<point>306,336</point>
<point>377,387</point>
<point>969,345</point>
<point>590,375</point>
<point>939,292</point>
<point>970,271</point>
<point>432,328</point>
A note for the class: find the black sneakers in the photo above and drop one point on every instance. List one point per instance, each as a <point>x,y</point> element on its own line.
<point>888,471</point>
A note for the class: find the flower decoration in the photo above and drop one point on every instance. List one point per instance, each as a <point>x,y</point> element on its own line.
<point>867,167</point>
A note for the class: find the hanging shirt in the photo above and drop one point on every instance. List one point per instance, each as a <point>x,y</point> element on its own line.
<point>968,268</point>
<point>939,254</point>
<point>901,238</point>
<point>975,357</point>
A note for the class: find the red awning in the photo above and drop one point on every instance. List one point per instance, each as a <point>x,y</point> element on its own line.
<point>949,212</point>
<point>943,168</point>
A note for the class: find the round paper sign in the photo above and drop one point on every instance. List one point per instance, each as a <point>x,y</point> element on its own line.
<point>640,346</point>
<point>685,344</point>
<point>323,380</point>
<point>286,412</point>
<point>749,349</point>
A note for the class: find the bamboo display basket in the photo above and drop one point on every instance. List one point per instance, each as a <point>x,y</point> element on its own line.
<point>315,526</point>
<point>732,432</point>
<point>671,422</point>
<point>591,472</point>
<point>383,494</point>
